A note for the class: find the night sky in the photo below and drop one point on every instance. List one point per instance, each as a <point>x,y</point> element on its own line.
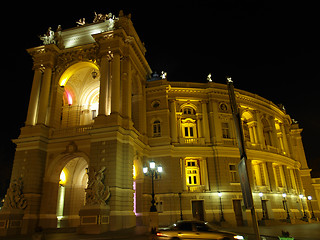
<point>271,49</point>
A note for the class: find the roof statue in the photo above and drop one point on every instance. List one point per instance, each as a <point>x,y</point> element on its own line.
<point>209,79</point>
<point>81,22</point>
<point>163,74</point>
<point>48,38</point>
<point>52,37</point>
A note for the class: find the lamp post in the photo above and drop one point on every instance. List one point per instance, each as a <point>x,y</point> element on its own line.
<point>312,213</point>
<point>285,205</point>
<point>304,218</point>
<point>262,206</point>
<point>181,217</point>
<point>153,171</point>
<point>221,210</point>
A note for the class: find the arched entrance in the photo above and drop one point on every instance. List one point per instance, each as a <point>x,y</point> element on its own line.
<point>80,95</point>
<point>71,192</point>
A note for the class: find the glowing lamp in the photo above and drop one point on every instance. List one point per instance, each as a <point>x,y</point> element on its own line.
<point>145,170</point>
<point>260,194</point>
<point>309,198</point>
<point>159,169</point>
<point>220,194</point>
<point>284,195</point>
<point>300,196</point>
<point>152,165</point>
<point>63,178</point>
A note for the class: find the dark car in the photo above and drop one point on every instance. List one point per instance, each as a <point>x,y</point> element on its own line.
<point>194,230</point>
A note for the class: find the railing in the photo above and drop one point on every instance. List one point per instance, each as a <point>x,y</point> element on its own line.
<point>71,131</point>
<point>197,188</point>
<point>195,141</point>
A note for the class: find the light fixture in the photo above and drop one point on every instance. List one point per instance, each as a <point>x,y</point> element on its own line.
<point>300,196</point>
<point>220,194</point>
<point>152,165</point>
<point>309,198</point>
<point>94,74</point>
<point>145,170</point>
<point>160,169</point>
<point>260,194</point>
<point>284,195</point>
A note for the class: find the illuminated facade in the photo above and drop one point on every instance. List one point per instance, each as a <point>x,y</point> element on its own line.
<point>96,117</point>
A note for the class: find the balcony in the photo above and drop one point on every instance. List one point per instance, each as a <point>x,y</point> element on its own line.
<point>70,132</point>
<point>196,188</point>
<point>192,141</point>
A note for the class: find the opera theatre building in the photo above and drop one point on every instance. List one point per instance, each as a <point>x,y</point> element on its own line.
<point>101,129</point>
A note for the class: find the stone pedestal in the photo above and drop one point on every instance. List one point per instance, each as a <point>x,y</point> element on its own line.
<point>94,219</point>
<point>11,222</point>
<point>154,222</point>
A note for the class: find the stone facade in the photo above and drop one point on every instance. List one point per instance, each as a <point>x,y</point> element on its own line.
<point>94,106</point>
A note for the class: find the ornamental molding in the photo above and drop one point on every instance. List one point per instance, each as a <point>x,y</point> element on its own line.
<point>68,58</point>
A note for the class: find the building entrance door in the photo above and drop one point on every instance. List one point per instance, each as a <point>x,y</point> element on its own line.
<point>238,212</point>
<point>197,210</point>
<point>265,209</point>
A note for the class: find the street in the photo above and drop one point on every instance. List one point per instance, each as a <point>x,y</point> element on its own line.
<point>299,232</point>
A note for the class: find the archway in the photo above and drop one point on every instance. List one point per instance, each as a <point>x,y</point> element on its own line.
<point>71,193</point>
<point>81,94</point>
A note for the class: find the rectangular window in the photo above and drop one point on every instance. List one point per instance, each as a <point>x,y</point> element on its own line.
<point>94,114</point>
<point>225,130</point>
<point>234,177</point>
<point>191,131</point>
<point>186,132</point>
<point>192,172</point>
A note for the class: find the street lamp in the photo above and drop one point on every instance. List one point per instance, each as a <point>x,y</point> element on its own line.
<point>221,211</point>
<point>312,215</point>
<point>262,206</point>
<point>153,171</point>
<point>285,205</point>
<point>304,218</point>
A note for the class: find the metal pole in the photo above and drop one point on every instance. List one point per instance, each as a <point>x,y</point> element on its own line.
<point>221,212</point>
<point>263,211</point>
<point>181,218</point>
<point>244,178</point>
<point>153,207</point>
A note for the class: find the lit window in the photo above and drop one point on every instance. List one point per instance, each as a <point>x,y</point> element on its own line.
<point>188,128</point>
<point>279,176</point>
<point>156,128</point>
<point>188,111</point>
<point>259,173</point>
<point>234,177</point>
<point>192,172</point>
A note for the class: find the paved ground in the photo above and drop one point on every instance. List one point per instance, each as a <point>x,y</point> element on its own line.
<point>299,232</point>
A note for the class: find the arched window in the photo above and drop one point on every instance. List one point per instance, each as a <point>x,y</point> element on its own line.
<point>156,128</point>
<point>267,132</point>
<point>246,130</point>
<point>189,129</point>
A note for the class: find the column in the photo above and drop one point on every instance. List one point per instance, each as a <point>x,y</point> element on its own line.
<point>44,95</point>
<point>115,84</point>
<point>173,121</point>
<point>284,139</point>
<point>104,80</point>
<point>205,121</point>
<point>127,89</point>
<point>274,139</point>
<point>255,133</point>
<point>217,123</point>
<point>34,97</point>
<point>260,130</point>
